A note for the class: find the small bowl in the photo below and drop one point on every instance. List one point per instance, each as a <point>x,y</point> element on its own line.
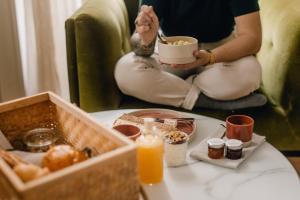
<point>177,54</point>
<point>131,131</point>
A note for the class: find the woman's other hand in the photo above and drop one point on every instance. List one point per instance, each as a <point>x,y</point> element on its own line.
<point>202,59</point>
<point>147,24</point>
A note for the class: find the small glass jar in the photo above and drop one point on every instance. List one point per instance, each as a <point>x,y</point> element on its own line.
<point>40,139</point>
<point>234,149</point>
<point>215,148</point>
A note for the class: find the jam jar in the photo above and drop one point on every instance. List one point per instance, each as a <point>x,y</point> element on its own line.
<point>215,148</point>
<point>234,149</point>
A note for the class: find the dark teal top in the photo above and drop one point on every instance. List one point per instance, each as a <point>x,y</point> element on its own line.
<point>206,20</point>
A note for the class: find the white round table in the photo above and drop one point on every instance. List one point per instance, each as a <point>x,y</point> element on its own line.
<point>266,174</point>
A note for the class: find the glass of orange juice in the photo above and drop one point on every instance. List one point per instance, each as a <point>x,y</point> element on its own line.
<point>150,158</point>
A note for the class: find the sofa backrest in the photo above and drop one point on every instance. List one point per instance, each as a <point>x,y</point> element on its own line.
<point>97,36</point>
<point>280,52</point>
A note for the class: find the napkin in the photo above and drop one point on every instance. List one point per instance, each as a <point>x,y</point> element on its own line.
<point>200,151</point>
<point>34,158</point>
<point>4,143</point>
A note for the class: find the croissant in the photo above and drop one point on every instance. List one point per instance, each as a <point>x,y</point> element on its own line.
<point>24,170</point>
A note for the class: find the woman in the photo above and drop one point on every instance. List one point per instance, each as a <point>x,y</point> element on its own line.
<point>225,72</point>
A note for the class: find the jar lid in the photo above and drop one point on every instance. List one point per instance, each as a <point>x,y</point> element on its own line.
<point>148,124</point>
<point>234,144</point>
<point>215,143</point>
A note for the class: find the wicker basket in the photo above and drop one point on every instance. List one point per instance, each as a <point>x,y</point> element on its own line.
<point>111,174</point>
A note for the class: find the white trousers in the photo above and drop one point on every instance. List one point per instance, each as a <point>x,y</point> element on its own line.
<point>145,78</point>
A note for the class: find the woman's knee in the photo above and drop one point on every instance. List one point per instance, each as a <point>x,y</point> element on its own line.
<point>247,74</point>
<point>250,70</point>
<point>130,72</point>
<point>124,71</point>
<point>231,80</point>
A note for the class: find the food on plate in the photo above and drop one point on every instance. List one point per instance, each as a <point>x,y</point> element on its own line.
<point>141,121</point>
<point>179,43</point>
<point>164,122</point>
<point>61,156</point>
<point>132,118</point>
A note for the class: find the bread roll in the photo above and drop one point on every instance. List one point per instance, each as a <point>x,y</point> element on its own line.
<point>28,172</point>
<point>61,156</point>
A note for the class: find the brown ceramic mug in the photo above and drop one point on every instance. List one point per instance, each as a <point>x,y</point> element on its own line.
<point>239,127</point>
<point>131,131</point>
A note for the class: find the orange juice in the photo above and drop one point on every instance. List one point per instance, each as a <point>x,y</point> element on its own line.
<point>150,159</point>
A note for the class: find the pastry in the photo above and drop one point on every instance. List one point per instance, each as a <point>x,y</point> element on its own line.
<point>24,170</point>
<point>28,172</point>
<point>61,156</point>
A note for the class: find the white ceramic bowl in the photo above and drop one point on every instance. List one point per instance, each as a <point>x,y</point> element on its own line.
<point>177,54</point>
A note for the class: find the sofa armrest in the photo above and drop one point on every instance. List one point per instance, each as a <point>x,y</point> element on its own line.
<point>100,37</point>
<point>279,54</point>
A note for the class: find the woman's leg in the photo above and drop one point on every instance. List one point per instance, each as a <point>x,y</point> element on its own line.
<point>229,81</point>
<point>144,78</point>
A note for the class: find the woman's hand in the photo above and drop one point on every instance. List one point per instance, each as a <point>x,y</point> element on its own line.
<point>147,24</point>
<point>202,58</point>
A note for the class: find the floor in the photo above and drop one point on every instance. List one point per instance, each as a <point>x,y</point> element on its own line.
<point>296,163</point>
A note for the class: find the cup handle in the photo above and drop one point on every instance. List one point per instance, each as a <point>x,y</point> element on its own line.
<point>220,132</point>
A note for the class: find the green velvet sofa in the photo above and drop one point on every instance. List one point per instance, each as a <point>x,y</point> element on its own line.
<point>98,35</point>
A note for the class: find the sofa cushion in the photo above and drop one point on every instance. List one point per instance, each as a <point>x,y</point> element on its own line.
<point>98,36</point>
<point>279,54</point>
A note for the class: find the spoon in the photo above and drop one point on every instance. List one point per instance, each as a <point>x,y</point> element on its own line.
<point>162,39</point>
